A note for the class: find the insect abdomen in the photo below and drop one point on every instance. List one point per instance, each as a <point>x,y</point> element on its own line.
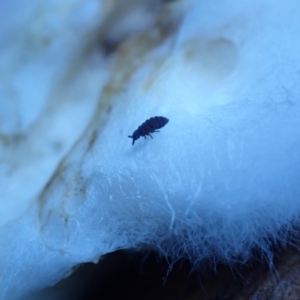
<point>156,123</point>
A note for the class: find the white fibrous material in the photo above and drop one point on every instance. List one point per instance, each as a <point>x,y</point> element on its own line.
<point>37,44</point>
<point>219,180</point>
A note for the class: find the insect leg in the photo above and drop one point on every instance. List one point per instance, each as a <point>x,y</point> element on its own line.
<point>150,135</point>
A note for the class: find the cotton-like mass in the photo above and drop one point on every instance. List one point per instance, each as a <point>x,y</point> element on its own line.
<point>221,179</point>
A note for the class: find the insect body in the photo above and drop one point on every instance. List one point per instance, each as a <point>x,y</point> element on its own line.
<point>148,127</point>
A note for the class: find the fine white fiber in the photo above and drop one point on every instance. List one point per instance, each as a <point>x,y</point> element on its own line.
<point>220,180</point>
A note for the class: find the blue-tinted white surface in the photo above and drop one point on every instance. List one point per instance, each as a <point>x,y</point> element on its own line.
<point>220,178</point>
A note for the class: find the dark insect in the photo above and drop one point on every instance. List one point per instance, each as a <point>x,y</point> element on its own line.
<point>148,127</point>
